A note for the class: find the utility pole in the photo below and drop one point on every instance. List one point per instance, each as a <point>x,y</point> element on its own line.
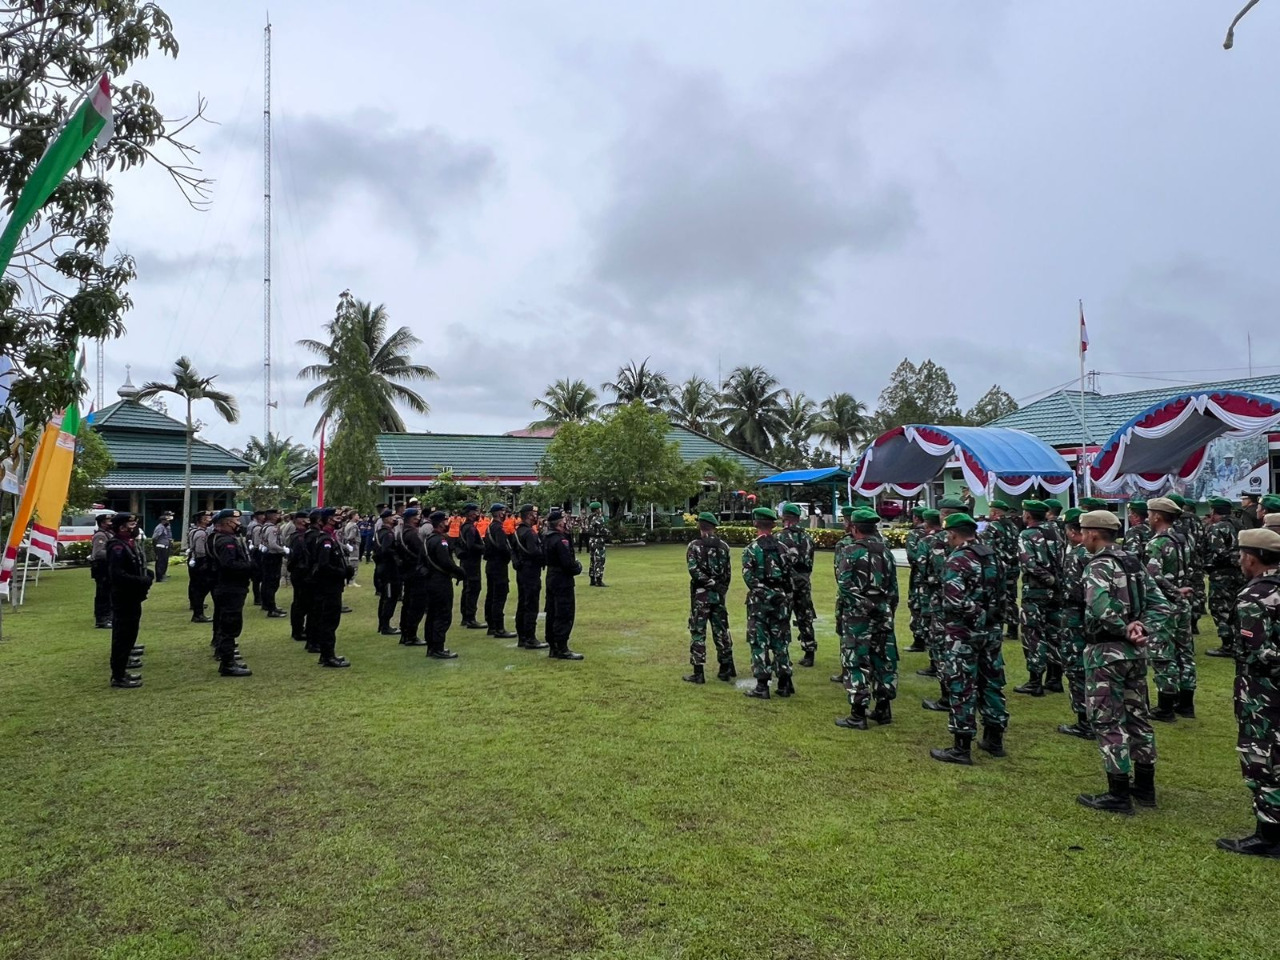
<point>266,234</point>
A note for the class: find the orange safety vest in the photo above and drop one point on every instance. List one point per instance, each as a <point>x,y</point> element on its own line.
<point>482,526</point>
<point>455,525</point>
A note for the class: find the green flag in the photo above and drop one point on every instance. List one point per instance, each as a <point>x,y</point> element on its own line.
<point>91,121</point>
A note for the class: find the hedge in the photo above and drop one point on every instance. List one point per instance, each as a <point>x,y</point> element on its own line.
<point>739,535</point>
<point>77,553</point>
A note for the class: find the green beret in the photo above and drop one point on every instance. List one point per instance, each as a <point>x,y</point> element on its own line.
<point>1054,504</point>
<point>1093,503</point>
<point>864,515</point>
<point>951,503</point>
<point>1178,498</point>
<point>999,505</point>
<point>791,509</point>
<point>1271,502</point>
<point>1035,507</point>
<point>931,516</point>
<point>1219,504</point>
<point>960,521</point>
<point>918,512</point>
<point>1139,507</point>
<point>847,510</point>
<point>710,518</point>
<point>764,513</point>
<point>1071,514</point>
<point>593,505</point>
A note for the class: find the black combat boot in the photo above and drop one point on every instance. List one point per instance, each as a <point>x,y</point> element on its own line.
<point>1223,651</point>
<point>472,625</point>
<point>1117,799</point>
<point>386,630</point>
<point>929,671</point>
<point>502,634</point>
<point>883,713</point>
<point>562,652</point>
<point>334,662</point>
<point>533,643</point>
<point>277,614</point>
<point>201,618</point>
<point>807,659</point>
<point>837,677</point>
<point>1186,704</point>
<point>130,682</point>
<point>1053,679</point>
<point>696,676</point>
<point>1079,729</point>
<point>917,646</point>
<point>102,624</point>
<point>1195,629</point>
<point>1265,842</point>
<point>726,671</point>
<point>992,741</point>
<point>857,719</point>
<point>231,667</point>
<point>134,663</point>
<point>1144,784</point>
<point>937,706</point>
<point>138,650</point>
<point>441,653</point>
<point>404,642</point>
<point>957,753</point>
<point>761,689</point>
<point>1033,687</point>
<point>1164,708</point>
<point>785,687</point>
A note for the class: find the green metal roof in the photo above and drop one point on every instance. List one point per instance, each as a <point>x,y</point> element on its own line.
<point>167,480</point>
<point>1055,419</point>
<point>132,415</point>
<point>130,449</point>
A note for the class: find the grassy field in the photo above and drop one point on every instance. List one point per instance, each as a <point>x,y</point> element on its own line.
<point>507,805</point>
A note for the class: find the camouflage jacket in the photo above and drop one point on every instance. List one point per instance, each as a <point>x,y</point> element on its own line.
<point>1002,537</point>
<point>1136,539</point>
<point>597,531</point>
<point>1117,591</point>
<point>1073,578</point>
<point>710,568</point>
<point>914,536</point>
<point>866,578</point>
<point>1222,554</point>
<point>1167,564</point>
<point>935,562</point>
<point>766,571</point>
<point>1040,560</point>
<point>972,588</point>
<point>918,556</point>
<point>1258,612</point>
<point>1192,531</point>
<point>799,545</point>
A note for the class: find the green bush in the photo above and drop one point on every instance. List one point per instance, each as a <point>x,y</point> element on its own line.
<point>77,552</point>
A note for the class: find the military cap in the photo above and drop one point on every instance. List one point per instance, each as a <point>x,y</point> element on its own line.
<point>707,517</point>
<point>847,511</point>
<point>791,509</point>
<point>270,510</point>
<point>998,505</point>
<point>167,513</point>
<point>951,503</point>
<point>470,506</point>
<point>316,514</point>
<point>1270,502</point>
<point>1165,505</point>
<point>1249,496</point>
<point>1260,538</point>
<point>411,512</point>
<point>495,507</point>
<point>916,511</point>
<point>1139,507</point>
<point>593,505</point>
<point>526,508</point>
<point>302,515</point>
<point>1072,515</point>
<point>438,517</point>
<point>1271,520</point>
<point>932,516</point>
<point>227,514</point>
<point>1035,507</point>
<point>386,513</point>
<point>1054,504</point>
<point>1093,503</point>
<point>960,521</point>
<point>1219,505</point>
<point>1177,498</point>
<point>120,519</point>
<point>763,513</point>
<point>1099,520</point>
<point>864,515</point>
<point>555,515</point>
<point>328,512</point>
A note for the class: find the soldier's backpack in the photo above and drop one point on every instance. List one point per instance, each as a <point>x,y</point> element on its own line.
<point>992,580</point>
<point>1135,584</point>
<point>777,572</point>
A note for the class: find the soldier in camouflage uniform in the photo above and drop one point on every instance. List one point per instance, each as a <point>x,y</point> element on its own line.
<point>766,572</point>
<point>934,547</point>
<point>1257,689</point>
<point>915,582</point>
<point>973,664</point>
<point>867,597</point>
<point>1167,564</point>
<point>597,537</point>
<point>1222,563</point>
<point>1139,533</point>
<point>1002,535</point>
<point>1072,641</point>
<point>1040,562</point>
<point>800,545</point>
<point>1194,532</point>
<point>710,572</point>
<point>1122,607</point>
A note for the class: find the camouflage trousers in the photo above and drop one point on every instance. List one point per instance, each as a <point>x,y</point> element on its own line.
<point>703,610</point>
<point>869,656</point>
<point>935,636</point>
<point>919,619</point>
<point>1257,701</point>
<point>1040,621</point>
<point>802,610</point>
<point>972,672</point>
<point>1197,593</point>
<point>1184,651</point>
<point>1223,590</point>
<point>769,636</point>
<point>595,549</point>
<point>1116,705</point>
<point>1011,605</point>
<point>1071,647</point>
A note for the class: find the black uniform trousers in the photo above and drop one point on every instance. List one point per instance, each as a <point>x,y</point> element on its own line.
<point>162,562</point>
<point>414,607</point>
<point>497,585</point>
<point>300,609</point>
<point>386,580</point>
<point>439,616</point>
<point>470,589</point>
<point>528,592</point>
<point>101,592</point>
<point>271,566</point>
<point>255,575</point>
<point>126,616</point>
<point>327,611</point>
<point>198,587</point>
<point>228,618</point>
<point>561,609</point>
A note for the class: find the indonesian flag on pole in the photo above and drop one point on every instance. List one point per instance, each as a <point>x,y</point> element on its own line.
<point>88,124</point>
<point>1084,332</point>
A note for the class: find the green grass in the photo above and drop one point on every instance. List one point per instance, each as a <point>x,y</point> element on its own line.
<point>506,805</point>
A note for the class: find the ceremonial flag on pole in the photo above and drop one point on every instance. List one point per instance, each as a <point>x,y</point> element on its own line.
<point>90,122</point>
<point>1084,333</point>
<point>26,505</point>
<point>320,466</point>
<point>51,497</point>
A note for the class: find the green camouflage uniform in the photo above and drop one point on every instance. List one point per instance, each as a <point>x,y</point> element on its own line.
<point>867,597</point>
<point>1072,640</point>
<point>1136,539</point>
<point>1117,591</point>
<point>800,545</point>
<point>915,584</point>
<point>1193,531</point>
<point>1040,560</point>
<point>1222,562</point>
<point>1167,648</point>
<point>597,537</point>
<point>935,562</point>
<point>1002,536</point>
<point>1257,692</point>
<point>710,573</point>
<point>972,666</point>
<point>766,571</point>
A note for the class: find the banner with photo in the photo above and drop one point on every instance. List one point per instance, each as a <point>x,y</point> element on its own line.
<point>1233,467</point>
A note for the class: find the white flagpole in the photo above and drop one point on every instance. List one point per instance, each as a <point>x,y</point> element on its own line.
<point>1084,424</point>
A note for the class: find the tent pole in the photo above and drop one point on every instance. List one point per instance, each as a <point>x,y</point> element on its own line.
<point>1084,424</point>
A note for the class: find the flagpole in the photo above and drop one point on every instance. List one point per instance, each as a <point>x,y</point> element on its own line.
<point>1084,424</point>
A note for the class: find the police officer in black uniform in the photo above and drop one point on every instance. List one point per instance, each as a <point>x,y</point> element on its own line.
<point>199,569</point>
<point>253,540</point>
<point>298,563</point>
<point>129,581</point>
<point>331,573</point>
<point>98,571</point>
<point>497,576</point>
<point>528,560</point>
<point>413,578</point>
<point>470,554</point>
<point>562,567</point>
<point>232,568</point>
<point>386,572</point>
<point>441,573</point>
<point>271,561</point>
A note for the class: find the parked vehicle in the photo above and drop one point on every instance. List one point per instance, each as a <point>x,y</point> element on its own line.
<point>81,526</point>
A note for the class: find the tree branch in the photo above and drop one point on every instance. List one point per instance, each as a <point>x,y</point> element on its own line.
<point>1228,43</point>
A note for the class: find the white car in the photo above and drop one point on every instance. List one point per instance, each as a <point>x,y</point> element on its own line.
<point>81,527</point>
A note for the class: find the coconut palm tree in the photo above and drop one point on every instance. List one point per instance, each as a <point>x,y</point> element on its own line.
<point>565,401</point>
<point>843,421</point>
<point>276,461</point>
<point>276,449</point>
<point>364,365</point>
<point>800,420</point>
<point>751,410</point>
<point>190,386</point>
<point>694,404</point>
<point>638,382</point>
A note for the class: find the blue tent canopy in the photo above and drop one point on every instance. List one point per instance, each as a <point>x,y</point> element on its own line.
<point>820,475</point>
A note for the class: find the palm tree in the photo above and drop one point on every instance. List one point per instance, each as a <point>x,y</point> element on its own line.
<point>276,461</point>
<point>190,386</point>
<point>276,449</point>
<point>800,421</point>
<point>751,410</point>
<point>565,401</point>
<point>843,422</point>
<point>726,472</point>
<point>693,404</point>
<point>362,364</point>
<point>638,383</point>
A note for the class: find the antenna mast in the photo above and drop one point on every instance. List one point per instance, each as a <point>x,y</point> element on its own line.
<point>266,234</point>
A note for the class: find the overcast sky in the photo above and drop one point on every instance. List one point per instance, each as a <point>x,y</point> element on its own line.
<point>544,190</point>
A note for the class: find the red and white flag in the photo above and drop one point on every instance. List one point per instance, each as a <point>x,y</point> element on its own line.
<point>1084,333</point>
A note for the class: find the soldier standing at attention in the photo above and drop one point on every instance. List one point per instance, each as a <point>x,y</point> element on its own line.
<point>1053,510</point>
<point>1041,569</point>
<point>915,580</point>
<point>253,539</point>
<point>973,664</point>
<point>562,567</point>
<point>597,537</point>
<point>386,575</point>
<point>497,576</point>
<point>800,545</point>
<point>710,568</point>
<point>271,562</point>
<point>441,571</point>
<point>162,543</point>
<point>331,572</point>
<point>129,581</point>
<point>1122,607</point>
<point>98,571</point>
<point>1257,689</point>
<point>470,555</point>
<point>231,569</point>
<point>1139,533</point>
<point>528,559</point>
<point>766,572</point>
<point>1072,647</point>
<point>1166,564</point>
<point>867,595</point>
<point>1193,532</point>
<point>298,560</point>
<point>199,568</point>
<point>931,546</point>
<point>1222,563</point>
<point>1002,537</point>
<point>413,577</point>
